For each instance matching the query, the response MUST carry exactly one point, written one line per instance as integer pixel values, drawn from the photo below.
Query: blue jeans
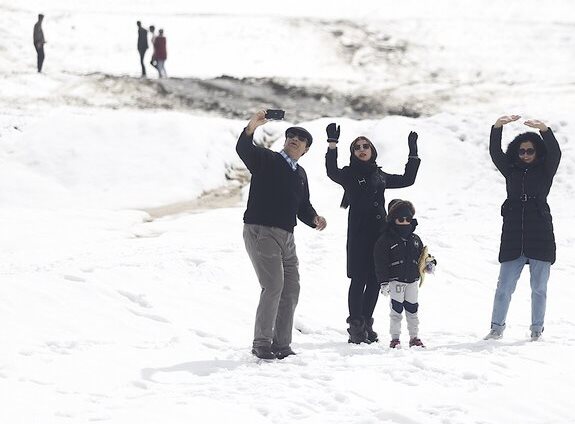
(508, 276)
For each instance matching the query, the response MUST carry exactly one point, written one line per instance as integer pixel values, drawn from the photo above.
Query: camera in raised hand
(275, 114)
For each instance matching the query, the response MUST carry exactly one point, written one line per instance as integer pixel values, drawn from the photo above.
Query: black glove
(332, 131)
(412, 143)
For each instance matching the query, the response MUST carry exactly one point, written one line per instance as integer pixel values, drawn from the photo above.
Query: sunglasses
(358, 146)
(296, 137)
(404, 219)
(529, 151)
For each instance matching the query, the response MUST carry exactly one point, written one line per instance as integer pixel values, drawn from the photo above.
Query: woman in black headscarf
(364, 184)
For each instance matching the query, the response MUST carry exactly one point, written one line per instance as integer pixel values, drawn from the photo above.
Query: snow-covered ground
(111, 316)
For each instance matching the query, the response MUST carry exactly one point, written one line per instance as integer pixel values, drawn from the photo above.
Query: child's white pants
(403, 296)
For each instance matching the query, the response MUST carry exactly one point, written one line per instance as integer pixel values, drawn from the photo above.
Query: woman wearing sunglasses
(528, 165)
(364, 184)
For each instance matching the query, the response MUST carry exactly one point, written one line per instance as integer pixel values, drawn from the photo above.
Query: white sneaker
(535, 335)
(493, 335)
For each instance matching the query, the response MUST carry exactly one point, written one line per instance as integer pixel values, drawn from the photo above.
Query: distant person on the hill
(528, 165)
(142, 45)
(160, 53)
(400, 260)
(153, 61)
(279, 194)
(39, 42)
(364, 184)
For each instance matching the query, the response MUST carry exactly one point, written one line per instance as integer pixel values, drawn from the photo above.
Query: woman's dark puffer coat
(527, 222)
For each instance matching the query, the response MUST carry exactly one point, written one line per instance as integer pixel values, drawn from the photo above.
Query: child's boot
(416, 342)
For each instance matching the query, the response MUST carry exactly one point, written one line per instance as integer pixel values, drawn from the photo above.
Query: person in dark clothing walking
(278, 195)
(142, 45)
(527, 237)
(364, 184)
(397, 255)
(39, 42)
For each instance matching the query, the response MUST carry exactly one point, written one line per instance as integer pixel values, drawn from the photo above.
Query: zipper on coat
(523, 211)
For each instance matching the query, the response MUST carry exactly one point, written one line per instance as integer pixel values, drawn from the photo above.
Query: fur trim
(397, 205)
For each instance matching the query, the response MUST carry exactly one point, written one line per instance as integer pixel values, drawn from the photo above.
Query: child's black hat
(398, 208)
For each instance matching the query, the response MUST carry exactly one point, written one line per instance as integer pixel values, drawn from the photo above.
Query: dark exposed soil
(237, 98)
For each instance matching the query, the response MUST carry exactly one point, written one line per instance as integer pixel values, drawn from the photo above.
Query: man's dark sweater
(277, 193)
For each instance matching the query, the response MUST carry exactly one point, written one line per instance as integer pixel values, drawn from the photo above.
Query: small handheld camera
(275, 114)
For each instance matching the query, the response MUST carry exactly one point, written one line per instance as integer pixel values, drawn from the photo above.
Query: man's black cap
(301, 131)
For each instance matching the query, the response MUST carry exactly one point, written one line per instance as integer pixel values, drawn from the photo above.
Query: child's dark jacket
(396, 259)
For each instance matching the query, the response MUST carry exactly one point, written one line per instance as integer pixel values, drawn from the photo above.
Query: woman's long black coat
(366, 219)
(527, 222)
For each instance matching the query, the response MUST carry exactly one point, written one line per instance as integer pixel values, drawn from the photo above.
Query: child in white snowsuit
(397, 253)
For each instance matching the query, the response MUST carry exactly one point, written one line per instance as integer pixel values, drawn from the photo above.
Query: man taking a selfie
(279, 194)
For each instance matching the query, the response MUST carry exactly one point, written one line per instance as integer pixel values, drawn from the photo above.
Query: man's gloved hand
(332, 131)
(384, 288)
(412, 143)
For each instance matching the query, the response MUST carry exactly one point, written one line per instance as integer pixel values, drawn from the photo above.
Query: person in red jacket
(161, 53)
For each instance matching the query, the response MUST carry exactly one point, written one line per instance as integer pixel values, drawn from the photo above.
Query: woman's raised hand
(534, 123)
(412, 143)
(332, 131)
(505, 120)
